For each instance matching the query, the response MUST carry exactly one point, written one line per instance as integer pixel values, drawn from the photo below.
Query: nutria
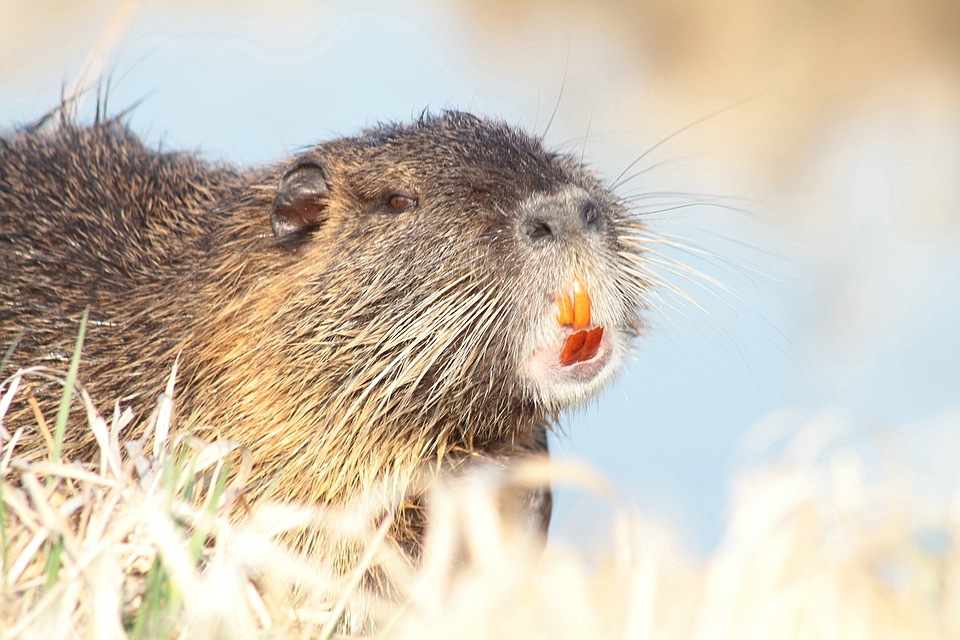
(414, 296)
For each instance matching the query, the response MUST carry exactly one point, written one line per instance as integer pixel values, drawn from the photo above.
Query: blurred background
(799, 160)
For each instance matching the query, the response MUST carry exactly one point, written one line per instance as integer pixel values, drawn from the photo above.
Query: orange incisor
(575, 312)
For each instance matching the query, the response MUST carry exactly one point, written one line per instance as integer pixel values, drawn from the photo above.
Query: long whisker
(698, 278)
(563, 84)
(586, 136)
(688, 205)
(682, 194)
(694, 250)
(689, 302)
(616, 183)
(652, 167)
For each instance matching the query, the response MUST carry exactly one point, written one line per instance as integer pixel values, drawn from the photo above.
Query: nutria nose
(560, 217)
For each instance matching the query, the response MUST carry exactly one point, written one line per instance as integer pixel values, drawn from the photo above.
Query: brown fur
(376, 344)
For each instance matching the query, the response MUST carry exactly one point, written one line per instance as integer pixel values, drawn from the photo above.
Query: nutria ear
(299, 206)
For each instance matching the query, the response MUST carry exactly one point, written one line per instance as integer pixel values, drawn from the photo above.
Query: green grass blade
(52, 566)
(187, 493)
(64, 411)
(3, 541)
(202, 528)
(149, 601)
(9, 352)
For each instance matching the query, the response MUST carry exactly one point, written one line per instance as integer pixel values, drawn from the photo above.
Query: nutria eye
(401, 203)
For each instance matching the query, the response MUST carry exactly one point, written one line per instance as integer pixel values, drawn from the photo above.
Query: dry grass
(150, 539)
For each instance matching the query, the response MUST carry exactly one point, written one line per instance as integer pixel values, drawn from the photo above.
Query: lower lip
(545, 364)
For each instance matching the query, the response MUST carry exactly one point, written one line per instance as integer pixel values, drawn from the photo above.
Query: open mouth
(573, 357)
(573, 312)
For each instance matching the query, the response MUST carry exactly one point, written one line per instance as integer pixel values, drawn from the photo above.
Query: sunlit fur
(393, 344)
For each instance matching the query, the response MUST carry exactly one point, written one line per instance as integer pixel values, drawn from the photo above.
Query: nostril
(537, 230)
(590, 213)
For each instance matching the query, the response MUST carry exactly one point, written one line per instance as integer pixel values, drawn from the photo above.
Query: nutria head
(438, 250)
